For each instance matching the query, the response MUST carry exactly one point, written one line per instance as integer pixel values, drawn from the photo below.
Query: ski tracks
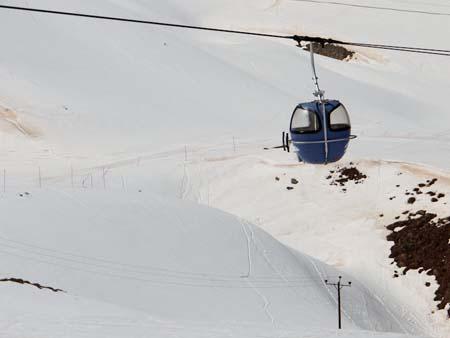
(250, 237)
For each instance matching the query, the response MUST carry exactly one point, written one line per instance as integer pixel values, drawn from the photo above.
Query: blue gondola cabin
(320, 131)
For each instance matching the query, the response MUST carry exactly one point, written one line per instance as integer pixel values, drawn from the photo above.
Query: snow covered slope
(103, 125)
(77, 87)
(170, 260)
(344, 226)
(55, 316)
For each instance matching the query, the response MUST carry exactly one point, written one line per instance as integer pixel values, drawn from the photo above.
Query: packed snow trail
(249, 235)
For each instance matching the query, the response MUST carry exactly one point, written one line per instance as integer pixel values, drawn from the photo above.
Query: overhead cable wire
(400, 47)
(155, 23)
(109, 265)
(420, 50)
(347, 4)
(167, 281)
(297, 38)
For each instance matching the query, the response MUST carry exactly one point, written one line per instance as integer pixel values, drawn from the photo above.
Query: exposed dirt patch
(22, 281)
(411, 200)
(9, 121)
(24, 194)
(342, 176)
(292, 181)
(332, 51)
(422, 243)
(423, 189)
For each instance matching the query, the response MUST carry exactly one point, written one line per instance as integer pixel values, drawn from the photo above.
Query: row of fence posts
(88, 180)
(234, 140)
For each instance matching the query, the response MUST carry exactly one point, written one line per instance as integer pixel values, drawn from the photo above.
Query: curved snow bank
(342, 225)
(53, 316)
(175, 261)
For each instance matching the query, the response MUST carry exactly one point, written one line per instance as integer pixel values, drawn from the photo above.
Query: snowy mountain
(112, 134)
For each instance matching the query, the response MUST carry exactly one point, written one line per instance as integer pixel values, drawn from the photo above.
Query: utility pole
(71, 176)
(339, 286)
(104, 173)
(40, 177)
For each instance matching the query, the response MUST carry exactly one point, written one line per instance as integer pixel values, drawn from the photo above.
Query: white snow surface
(112, 134)
(168, 261)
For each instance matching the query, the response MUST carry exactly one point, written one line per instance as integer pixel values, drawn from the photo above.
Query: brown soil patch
(422, 243)
(421, 189)
(411, 200)
(22, 281)
(332, 51)
(11, 121)
(342, 176)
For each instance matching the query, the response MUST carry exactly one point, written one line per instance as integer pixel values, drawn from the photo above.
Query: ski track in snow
(249, 252)
(250, 243)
